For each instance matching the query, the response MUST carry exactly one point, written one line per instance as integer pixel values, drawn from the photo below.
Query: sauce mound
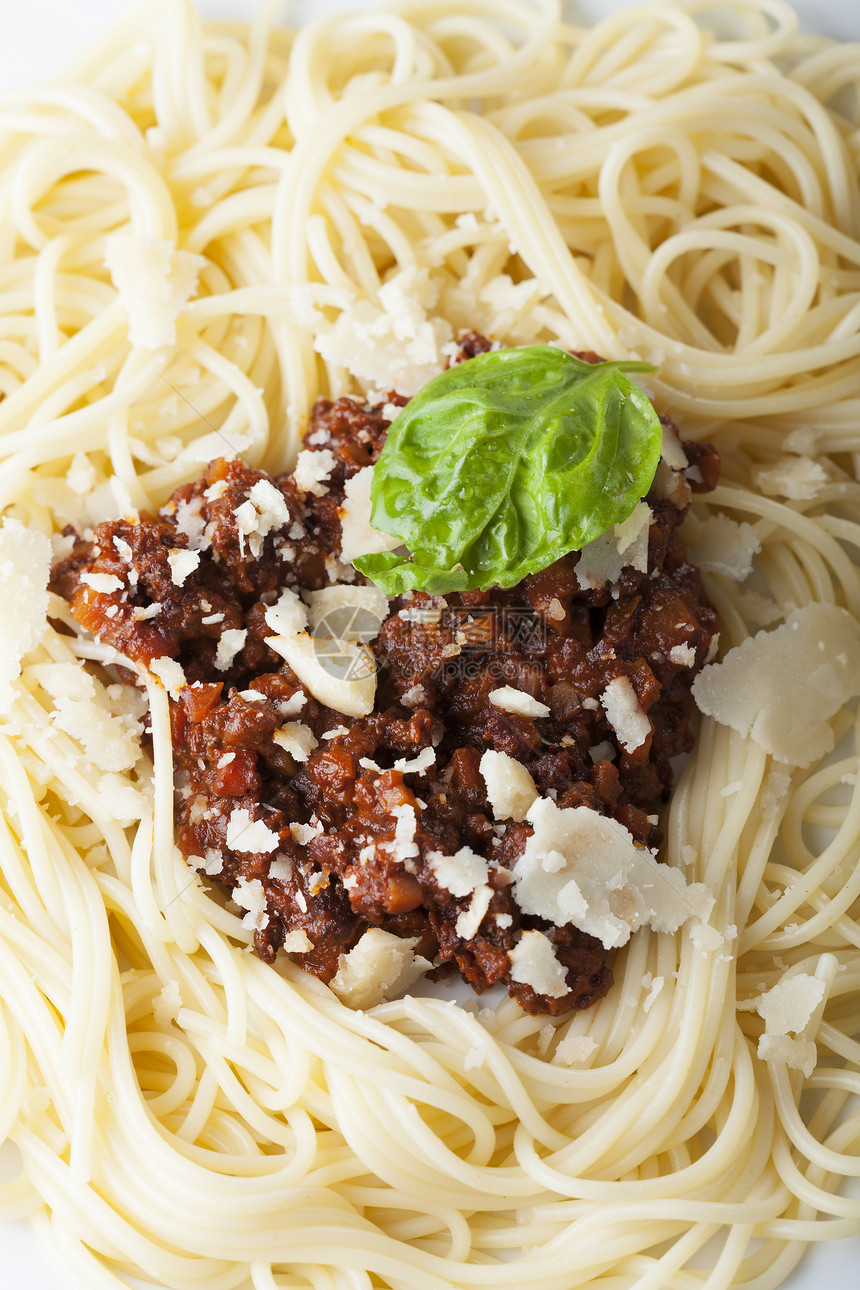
(325, 826)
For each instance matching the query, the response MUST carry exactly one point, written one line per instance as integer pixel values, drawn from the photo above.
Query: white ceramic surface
(38, 38)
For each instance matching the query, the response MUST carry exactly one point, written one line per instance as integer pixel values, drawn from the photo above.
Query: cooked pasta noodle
(365, 187)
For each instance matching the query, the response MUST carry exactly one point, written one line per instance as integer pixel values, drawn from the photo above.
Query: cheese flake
(789, 1005)
(182, 563)
(297, 739)
(230, 644)
(682, 655)
(391, 342)
(154, 282)
(460, 873)
(584, 868)
(25, 564)
(574, 1050)
(104, 583)
(380, 966)
(510, 787)
(247, 835)
(288, 616)
(515, 701)
(814, 657)
(797, 478)
(107, 729)
(298, 942)
(169, 673)
(625, 713)
(250, 894)
(357, 536)
(312, 467)
(533, 963)
(797, 1054)
(631, 537)
(469, 921)
(418, 765)
(719, 544)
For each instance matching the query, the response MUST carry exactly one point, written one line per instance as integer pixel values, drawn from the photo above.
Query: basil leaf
(506, 462)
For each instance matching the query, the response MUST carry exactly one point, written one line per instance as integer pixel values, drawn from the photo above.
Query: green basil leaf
(506, 462)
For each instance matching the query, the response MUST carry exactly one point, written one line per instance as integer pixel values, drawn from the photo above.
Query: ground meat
(349, 835)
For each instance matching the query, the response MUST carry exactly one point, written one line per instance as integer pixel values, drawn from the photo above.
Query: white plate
(39, 39)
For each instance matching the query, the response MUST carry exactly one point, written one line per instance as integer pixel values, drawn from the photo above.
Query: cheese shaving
(380, 966)
(245, 834)
(533, 963)
(154, 282)
(814, 656)
(509, 699)
(25, 563)
(358, 537)
(510, 788)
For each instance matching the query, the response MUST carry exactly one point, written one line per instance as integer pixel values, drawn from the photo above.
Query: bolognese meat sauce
(324, 825)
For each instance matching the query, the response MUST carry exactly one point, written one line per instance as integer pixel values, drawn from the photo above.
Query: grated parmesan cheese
(298, 942)
(461, 873)
(288, 616)
(625, 713)
(533, 963)
(290, 707)
(104, 583)
(797, 478)
(672, 450)
(211, 862)
(107, 728)
(797, 1054)
(169, 673)
(182, 563)
(404, 847)
(510, 787)
(247, 835)
(25, 564)
(81, 475)
(230, 644)
(418, 765)
(584, 868)
(154, 282)
(380, 966)
(789, 1005)
(250, 894)
(631, 537)
(191, 523)
(682, 655)
(509, 699)
(469, 921)
(358, 537)
(721, 545)
(574, 1050)
(390, 343)
(297, 739)
(602, 560)
(814, 657)
(282, 868)
(263, 511)
(312, 468)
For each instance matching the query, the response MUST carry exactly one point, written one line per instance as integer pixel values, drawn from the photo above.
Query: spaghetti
(647, 188)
